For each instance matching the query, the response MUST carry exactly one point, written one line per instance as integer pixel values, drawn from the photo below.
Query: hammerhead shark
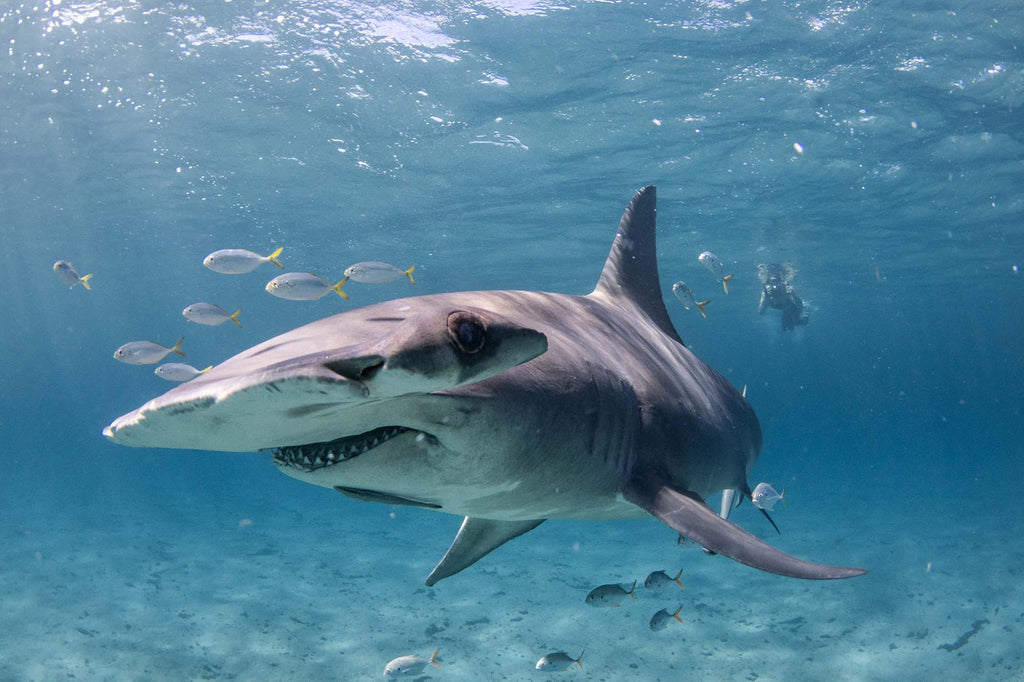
(505, 407)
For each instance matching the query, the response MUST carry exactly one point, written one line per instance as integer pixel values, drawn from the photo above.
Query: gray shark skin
(505, 407)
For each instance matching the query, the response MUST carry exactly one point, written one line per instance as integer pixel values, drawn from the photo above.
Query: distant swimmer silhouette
(777, 292)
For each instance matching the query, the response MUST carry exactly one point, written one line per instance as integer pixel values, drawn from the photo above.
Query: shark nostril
(356, 369)
(370, 371)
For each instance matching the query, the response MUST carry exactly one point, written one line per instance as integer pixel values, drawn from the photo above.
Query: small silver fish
(178, 371)
(558, 661)
(714, 265)
(659, 621)
(210, 314)
(410, 665)
(239, 261)
(67, 273)
(765, 496)
(303, 286)
(685, 296)
(659, 580)
(375, 272)
(610, 595)
(146, 352)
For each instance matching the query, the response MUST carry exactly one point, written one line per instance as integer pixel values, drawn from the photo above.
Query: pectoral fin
(690, 516)
(475, 539)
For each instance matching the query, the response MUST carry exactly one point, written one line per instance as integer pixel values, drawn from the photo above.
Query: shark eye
(467, 331)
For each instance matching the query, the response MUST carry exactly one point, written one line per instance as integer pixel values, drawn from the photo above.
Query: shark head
(336, 387)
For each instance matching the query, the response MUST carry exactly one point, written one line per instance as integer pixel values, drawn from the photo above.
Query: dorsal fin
(631, 271)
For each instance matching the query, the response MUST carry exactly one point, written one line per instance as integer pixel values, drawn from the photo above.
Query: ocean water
(875, 146)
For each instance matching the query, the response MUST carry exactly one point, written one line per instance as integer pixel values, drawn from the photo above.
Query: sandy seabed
(335, 590)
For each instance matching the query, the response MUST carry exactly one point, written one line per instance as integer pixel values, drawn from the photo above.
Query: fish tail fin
(632, 591)
(408, 273)
(700, 307)
(85, 281)
(206, 369)
(579, 661)
(433, 658)
(234, 318)
(782, 496)
(337, 288)
(676, 614)
(176, 348)
(676, 579)
(725, 283)
(272, 258)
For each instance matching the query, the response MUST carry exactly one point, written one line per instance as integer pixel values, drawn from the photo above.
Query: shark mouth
(313, 456)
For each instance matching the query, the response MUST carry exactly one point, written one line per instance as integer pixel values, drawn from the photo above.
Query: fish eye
(467, 331)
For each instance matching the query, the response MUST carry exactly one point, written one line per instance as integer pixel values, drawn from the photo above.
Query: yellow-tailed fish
(239, 261)
(765, 496)
(210, 314)
(685, 296)
(610, 595)
(660, 579)
(303, 286)
(67, 273)
(558, 661)
(375, 272)
(409, 666)
(178, 371)
(659, 621)
(146, 352)
(715, 266)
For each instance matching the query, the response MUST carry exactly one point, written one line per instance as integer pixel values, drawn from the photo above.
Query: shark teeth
(313, 456)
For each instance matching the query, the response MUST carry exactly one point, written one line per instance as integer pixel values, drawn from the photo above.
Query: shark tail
(700, 307)
(234, 318)
(176, 348)
(337, 288)
(725, 283)
(85, 281)
(408, 273)
(273, 257)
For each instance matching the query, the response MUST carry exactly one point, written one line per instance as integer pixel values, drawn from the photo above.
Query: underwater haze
(876, 148)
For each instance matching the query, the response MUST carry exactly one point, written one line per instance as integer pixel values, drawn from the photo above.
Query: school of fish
(292, 286)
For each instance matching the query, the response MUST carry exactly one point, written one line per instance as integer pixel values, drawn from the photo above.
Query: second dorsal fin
(631, 271)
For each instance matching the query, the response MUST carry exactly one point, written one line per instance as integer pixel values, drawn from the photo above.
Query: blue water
(876, 146)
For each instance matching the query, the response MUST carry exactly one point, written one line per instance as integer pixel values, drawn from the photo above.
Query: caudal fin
(234, 318)
(408, 273)
(676, 614)
(725, 283)
(676, 580)
(85, 281)
(176, 348)
(433, 658)
(700, 307)
(272, 258)
(337, 288)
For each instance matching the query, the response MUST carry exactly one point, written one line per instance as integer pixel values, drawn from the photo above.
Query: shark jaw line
(313, 456)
